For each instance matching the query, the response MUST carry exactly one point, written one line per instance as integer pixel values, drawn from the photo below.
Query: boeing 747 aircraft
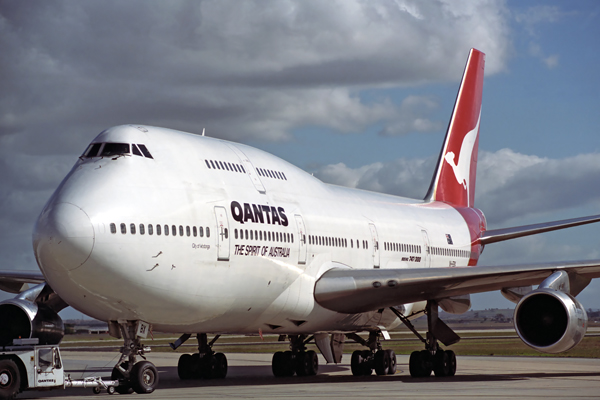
(155, 229)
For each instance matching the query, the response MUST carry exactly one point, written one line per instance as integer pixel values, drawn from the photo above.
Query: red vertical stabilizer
(454, 179)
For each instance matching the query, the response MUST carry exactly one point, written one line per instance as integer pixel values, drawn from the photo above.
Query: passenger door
(222, 234)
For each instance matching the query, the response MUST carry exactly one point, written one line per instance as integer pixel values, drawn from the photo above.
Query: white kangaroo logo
(462, 171)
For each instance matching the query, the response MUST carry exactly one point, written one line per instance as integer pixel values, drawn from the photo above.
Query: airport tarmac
(250, 376)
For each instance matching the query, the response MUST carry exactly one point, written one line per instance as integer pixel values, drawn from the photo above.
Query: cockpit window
(92, 150)
(135, 150)
(115, 149)
(145, 150)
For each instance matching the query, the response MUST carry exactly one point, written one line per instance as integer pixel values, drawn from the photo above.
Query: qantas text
(258, 213)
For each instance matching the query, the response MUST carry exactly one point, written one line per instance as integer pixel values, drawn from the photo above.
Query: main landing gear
(433, 358)
(140, 377)
(363, 362)
(297, 360)
(205, 363)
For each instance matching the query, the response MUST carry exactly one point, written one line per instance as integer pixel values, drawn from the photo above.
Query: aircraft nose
(63, 238)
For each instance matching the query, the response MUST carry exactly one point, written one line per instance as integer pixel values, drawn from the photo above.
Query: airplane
(159, 230)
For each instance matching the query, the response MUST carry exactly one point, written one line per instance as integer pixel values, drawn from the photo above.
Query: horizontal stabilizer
(499, 235)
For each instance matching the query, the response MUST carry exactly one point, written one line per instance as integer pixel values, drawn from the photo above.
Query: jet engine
(22, 319)
(550, 321)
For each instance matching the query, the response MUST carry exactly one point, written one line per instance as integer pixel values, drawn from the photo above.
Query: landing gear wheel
(220, 366)
(392, 366)
(282, 364)
(451, 362)
(440, 364)
(301, 364)
(367, 358)
(96, 390)
(382, 362)
(110, 390)
(355, 363)
(184, 367)
(144, 377)
(312, 363)
(10, 381)
(419, 364)
(124, 385)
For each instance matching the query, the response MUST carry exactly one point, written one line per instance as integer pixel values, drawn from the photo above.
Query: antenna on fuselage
(203, 130)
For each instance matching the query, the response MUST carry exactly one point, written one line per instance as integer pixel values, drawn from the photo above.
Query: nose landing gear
(140, 377)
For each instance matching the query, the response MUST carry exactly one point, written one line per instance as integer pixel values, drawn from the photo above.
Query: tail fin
(454, 178)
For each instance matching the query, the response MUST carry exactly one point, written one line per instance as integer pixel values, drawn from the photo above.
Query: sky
(358, 93)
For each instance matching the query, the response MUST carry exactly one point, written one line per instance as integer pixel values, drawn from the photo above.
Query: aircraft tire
(393, 363)
(440, 364)
(312, 363)
(367, 365)
(124, 386)
(355, 363)
(301, 364)
(451, 363)
(419, 364)
(10, 380)
(220, 364)
(184, 367)
(144, 377)
(382, 362)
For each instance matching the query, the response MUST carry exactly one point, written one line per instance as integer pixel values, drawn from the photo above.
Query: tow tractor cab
(28, 366)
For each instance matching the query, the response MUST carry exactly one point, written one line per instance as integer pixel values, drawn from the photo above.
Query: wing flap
(355, 291)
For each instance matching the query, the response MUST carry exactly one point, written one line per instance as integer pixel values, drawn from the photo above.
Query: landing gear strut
(364, 361)
(297, 360)
(433, 358)
(140, 377)
(205, 364)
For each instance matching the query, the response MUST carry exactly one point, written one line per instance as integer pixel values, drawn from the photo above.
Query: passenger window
(213, 164)
(207, 164)
(292, 237)
(201, 231)
(145, 151)
(135, 150)
(166, 230)
(150, 229)
(123, 229)
(142, 230)
(284, 176)
(113, 228)
(221, 164)
(194, 231)
(114, 149)
(351, 244)
(173, 230)
(180, 230)
(235, 233)
(207, 231)
(243, 170)
(251, 235)
(226, 167)
(187, 231)
(246, 234)
(132, 228)
(158, 232)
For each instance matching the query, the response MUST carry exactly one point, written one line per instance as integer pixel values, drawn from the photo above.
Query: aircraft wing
(359, 290)
(16, 281)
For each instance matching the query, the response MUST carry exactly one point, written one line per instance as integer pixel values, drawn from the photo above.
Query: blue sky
(357, 92)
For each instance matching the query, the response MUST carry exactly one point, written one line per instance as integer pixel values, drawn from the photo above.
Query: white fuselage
(248, 245)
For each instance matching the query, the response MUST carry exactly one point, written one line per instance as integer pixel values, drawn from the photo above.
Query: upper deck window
(115, 149)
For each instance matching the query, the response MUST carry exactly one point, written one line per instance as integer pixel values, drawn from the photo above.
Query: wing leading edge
(16, 281)
(353, 290)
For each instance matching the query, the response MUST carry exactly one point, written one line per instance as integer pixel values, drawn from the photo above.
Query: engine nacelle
(24, 319)
(550, 321)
